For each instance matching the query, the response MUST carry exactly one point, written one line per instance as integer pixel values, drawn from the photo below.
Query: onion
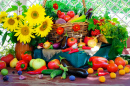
(56, 45)
(75, 45)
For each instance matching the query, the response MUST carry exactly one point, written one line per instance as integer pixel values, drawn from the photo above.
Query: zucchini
(63, 75)
(55, 73)
(47, 71)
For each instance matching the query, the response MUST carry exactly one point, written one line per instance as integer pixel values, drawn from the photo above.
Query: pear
(13, 63)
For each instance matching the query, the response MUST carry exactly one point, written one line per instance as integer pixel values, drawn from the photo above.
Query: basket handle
(84, 5)
(44, 3)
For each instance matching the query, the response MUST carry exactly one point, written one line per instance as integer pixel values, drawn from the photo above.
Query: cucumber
(55, 73)
(47, 71)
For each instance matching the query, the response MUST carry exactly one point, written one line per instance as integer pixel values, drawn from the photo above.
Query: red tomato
(71, 41)
(61, 15)
(60, 30)
(112, 67)
(2, 65)
(54, 64)
(127, 66)
(71, 13)
(120, 61)
(67, 18)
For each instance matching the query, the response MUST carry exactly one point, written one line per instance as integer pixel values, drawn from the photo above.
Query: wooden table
(33, 80)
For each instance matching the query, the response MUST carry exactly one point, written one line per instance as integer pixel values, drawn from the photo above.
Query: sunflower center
(25, 31)
(35, 14)
(18, 18)
(44, 26)
(11, 21)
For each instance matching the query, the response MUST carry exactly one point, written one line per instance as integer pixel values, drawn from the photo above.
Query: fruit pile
(112, 67)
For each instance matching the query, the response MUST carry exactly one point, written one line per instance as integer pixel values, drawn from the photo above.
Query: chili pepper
(74, 50)
(85, 47)
(101, 73)
(21, 65)
(96, 62)
(67, 49)
(38, 71)
(26, 57)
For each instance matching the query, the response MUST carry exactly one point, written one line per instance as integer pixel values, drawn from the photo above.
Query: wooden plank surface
(33, 80)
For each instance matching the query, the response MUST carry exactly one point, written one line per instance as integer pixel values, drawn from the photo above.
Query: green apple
(30, 63)
(4, 72)
(38, 63)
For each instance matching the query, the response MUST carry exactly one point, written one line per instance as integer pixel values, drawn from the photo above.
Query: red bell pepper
(38, 71)
(101, 73)
(26, 57)
(21, 65)
(96, 62)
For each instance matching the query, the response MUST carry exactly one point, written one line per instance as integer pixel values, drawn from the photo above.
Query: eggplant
(73, 71)
(64, 42)
(77, 72)
(65, 63)
(89, 13)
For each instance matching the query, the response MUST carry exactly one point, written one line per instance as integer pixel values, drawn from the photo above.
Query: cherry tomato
(71, 41)
(60, 30)
(71, 13)
(61, 15)
(112, 67)
(67, 18)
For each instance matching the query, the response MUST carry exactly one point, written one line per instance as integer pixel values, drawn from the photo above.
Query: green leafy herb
(19, 3)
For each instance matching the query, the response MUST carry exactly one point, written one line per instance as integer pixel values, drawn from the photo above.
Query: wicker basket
(53, 36)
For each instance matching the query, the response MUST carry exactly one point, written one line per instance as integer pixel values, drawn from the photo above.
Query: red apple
(7, 58)
(2, 65)
(54, 64)
(86, 39)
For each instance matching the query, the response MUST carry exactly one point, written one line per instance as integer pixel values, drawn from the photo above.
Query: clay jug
(21, 48)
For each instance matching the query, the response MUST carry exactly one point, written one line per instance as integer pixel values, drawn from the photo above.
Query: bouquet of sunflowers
(31, 27)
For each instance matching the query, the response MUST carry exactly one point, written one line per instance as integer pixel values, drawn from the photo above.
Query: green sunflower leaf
(4, 37)
(1, 32)
(14, 7)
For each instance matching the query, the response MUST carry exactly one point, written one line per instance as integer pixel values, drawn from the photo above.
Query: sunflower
(10, 23)
(45, 27)
(35, 14)
(3, 15)
(24, 33)
(18, 17)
